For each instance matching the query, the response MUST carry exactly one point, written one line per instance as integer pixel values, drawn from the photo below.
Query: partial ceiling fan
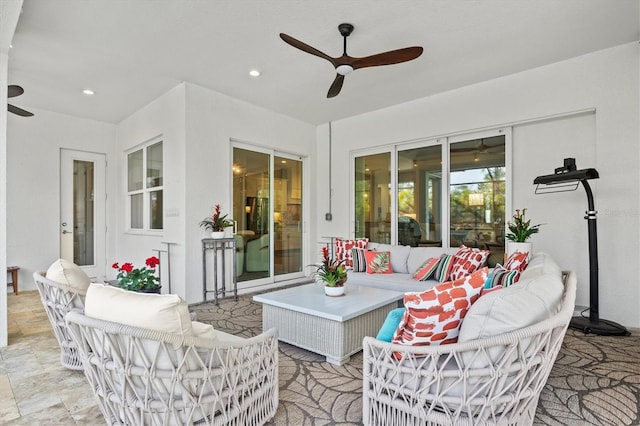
(480, 148)
(345, 64)
(14, 91)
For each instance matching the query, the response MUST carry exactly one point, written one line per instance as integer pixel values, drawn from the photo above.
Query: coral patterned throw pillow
(517, 261)
(433, 317)
(467, 260)
(378, 262)
(342, 249)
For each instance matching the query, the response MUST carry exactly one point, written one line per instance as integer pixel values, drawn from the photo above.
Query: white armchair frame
(141, 376)
(490, 381)
(57, 303)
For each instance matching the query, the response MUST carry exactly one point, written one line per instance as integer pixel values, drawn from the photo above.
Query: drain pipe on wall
(328, 216)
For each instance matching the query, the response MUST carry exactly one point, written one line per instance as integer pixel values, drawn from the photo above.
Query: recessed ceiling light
(88, 92)
(254, 73)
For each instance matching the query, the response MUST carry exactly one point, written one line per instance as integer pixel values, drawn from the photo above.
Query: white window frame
(145, 191)
(445, 141)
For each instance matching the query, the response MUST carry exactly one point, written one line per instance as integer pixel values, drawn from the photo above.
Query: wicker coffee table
(330, 326)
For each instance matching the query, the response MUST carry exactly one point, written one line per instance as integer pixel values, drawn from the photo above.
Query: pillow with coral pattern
(467, 260)
(342, 249)
(517, 261)
(433, 317)
(378, 262)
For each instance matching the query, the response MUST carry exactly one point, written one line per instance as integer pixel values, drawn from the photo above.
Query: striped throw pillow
(501, 276)
(444, 268)
(359, 260)
(427, 269)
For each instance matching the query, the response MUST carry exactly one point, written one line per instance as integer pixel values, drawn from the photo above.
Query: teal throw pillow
(390, 325)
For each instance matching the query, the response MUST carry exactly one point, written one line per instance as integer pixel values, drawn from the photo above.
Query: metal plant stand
(218, 247)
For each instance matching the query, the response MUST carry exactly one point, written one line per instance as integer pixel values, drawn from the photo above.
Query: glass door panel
(373, 197)
(420, 196)
(83, 208)
(477, 193)
(287, 215)
(251, 211)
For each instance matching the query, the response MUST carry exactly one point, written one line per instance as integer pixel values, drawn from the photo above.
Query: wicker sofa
(506, 348)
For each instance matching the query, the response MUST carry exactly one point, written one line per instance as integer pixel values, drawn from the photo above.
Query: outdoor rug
(595, 380)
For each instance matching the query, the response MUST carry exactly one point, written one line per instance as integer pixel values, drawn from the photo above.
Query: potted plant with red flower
(332, 273)
(216, 222)
(139, 279)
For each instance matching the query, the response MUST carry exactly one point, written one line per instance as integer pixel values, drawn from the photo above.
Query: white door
(82, 210)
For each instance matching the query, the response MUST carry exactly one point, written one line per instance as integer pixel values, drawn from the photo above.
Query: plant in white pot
(521, 230)
(332, 273)
(216, 223)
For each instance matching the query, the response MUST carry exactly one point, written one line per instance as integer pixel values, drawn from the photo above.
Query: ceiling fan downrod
(346, 30)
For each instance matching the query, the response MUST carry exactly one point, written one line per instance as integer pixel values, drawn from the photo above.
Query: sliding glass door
(267, 205)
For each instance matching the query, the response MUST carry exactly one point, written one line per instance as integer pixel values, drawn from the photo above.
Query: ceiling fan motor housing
(345, 29)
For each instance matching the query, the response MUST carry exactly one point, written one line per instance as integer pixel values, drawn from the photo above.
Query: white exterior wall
(4, 61)
(213, 121)
(33, 184)
(197, 126)
(607, 81)
(165, 118)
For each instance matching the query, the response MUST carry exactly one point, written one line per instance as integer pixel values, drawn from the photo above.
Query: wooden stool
(14, 278)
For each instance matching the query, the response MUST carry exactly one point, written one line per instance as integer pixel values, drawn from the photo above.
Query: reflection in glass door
(477, 194)
(287, 216)
(372, 196)
(251, 196)
(267, 206)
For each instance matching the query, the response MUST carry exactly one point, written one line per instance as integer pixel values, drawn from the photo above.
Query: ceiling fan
(345, 64)
(14, 91)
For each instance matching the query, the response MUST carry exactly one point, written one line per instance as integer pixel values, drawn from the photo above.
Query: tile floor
(34, 388)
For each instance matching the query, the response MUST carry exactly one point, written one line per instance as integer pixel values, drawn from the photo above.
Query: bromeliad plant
(137, 279)
(217, 221)
(331, 271)
(521, 229)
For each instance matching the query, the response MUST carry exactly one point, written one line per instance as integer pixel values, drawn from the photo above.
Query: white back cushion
(159, 312)
(69, 275)
(535, 297)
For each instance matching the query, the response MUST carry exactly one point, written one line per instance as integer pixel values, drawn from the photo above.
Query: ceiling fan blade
(388, 58)
(336, 86)
(18, 111)
(14, 91)
(306, 48)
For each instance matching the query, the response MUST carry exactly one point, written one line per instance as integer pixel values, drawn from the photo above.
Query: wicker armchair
(57, 301)
(149, 377)
(488, 381)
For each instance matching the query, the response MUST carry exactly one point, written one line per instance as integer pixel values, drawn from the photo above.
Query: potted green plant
(521, 230)
(216, 223)
(142, 280)
(332, 273)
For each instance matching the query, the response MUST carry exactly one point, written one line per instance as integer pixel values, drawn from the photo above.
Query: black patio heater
(567, 178)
